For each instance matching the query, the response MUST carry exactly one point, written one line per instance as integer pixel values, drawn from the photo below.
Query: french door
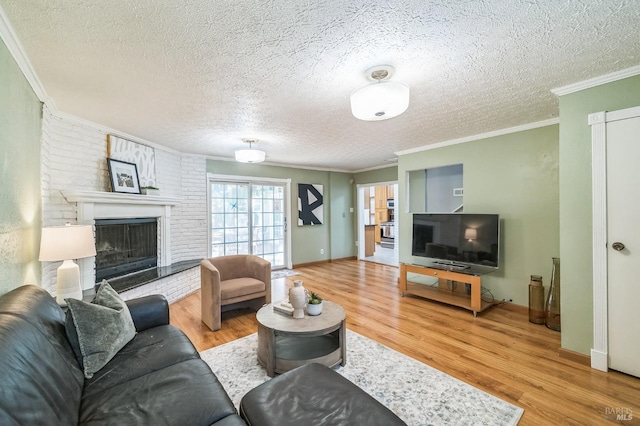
(249, 217)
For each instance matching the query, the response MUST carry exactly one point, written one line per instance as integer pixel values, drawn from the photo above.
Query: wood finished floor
(500, 351)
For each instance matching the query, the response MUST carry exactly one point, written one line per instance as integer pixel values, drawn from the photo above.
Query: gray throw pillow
(98, 330)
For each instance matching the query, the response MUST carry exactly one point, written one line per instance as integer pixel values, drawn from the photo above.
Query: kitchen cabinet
(369, 240)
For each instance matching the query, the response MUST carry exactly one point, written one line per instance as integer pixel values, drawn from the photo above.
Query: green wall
(516, 176)
(20, 193)
(387, 174)
(575, 204)
(342, 219)
(335, 236)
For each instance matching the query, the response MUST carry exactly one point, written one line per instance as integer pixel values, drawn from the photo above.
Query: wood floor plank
(500, 351)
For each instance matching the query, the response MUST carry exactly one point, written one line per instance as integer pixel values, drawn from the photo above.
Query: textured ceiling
(199, 75)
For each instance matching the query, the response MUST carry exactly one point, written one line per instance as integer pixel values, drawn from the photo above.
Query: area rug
(281, 273)
(415, 392)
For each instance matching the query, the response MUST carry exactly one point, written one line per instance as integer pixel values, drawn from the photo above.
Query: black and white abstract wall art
(310, 204)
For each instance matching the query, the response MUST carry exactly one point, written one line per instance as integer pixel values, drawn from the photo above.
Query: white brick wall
(190, 236)
(74, 156)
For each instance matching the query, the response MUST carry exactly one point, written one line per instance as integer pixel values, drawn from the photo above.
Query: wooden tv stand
(442, 293)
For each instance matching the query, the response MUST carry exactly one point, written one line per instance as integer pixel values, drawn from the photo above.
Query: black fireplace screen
(124, 246)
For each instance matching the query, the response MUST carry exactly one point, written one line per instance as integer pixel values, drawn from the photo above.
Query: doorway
(250, 216)
(377, 223)
(616, 206)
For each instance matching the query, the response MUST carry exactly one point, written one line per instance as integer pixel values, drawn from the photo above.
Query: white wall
(74, 156)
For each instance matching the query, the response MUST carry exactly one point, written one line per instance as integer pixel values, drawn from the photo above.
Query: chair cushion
(238, 287)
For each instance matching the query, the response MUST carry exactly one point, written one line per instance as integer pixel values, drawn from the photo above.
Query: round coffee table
(285, 343)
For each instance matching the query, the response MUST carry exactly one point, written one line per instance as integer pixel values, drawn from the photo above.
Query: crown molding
(480, 136)
(383, 166)
(596, 81)
(286, 166)
(16, 49)
(107, 130)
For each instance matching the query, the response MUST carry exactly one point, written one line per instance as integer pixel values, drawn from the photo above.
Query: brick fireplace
(95, 207)
(75, 189)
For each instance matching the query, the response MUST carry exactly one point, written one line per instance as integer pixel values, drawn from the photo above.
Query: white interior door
(623, 245)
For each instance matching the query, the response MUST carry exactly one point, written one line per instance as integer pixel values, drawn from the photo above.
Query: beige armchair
(228, 280)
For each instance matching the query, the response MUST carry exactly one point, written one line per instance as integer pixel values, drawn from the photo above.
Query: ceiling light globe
(380, 101)
(250, 156)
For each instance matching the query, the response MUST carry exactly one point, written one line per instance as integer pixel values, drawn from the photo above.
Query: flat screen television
(457, 239)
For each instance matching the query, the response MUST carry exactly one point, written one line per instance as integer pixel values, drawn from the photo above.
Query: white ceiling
(199, 75)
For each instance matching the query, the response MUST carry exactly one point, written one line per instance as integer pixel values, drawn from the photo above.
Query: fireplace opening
(124, 246)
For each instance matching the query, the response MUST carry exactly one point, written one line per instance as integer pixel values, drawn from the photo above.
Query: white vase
(298, 299)
(314, 309)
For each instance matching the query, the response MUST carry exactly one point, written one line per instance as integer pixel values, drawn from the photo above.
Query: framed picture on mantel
(124, 176)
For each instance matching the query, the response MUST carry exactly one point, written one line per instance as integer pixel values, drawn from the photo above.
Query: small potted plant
(150, 190)
(314, 305)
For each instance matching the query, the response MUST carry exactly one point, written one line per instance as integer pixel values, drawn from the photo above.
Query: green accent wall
(575, 205)
(514, 175)
(335, 235)
(20, 193)
(387, 174)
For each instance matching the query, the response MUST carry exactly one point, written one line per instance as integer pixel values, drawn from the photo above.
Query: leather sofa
(156, 378)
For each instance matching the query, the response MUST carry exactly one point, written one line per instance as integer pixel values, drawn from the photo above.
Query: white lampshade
(380, 101)
(67, 243)
(250, 156)
(471, 234)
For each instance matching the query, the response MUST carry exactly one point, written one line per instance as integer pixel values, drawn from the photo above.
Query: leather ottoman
(313, 395)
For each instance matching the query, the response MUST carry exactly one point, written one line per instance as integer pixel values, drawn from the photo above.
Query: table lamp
(67, 243)
(471, 234)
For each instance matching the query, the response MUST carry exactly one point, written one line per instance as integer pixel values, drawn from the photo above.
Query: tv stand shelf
(442, 293)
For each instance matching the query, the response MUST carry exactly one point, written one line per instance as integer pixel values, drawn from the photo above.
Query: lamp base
(68, 283)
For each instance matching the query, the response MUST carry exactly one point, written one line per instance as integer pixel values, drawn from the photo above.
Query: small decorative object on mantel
(150, 190)
(552, 308)
(314, 305)
(298, 299)
(124, 176)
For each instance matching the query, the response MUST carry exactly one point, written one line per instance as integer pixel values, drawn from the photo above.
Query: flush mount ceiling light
(250, 155)
(381, 100)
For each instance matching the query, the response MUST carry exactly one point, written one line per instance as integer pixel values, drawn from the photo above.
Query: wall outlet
(321, 251)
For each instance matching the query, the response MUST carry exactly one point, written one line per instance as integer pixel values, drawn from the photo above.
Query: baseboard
(321, 262)
(514, 307)
(575, 356)
(344, 258)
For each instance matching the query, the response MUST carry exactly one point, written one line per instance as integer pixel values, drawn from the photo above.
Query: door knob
(617, 246)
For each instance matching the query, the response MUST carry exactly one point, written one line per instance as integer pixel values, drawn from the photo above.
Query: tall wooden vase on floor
(536, 300)
(552, 307)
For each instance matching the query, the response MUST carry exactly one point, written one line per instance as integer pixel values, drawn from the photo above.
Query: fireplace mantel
(92, 205)
(118, 198)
